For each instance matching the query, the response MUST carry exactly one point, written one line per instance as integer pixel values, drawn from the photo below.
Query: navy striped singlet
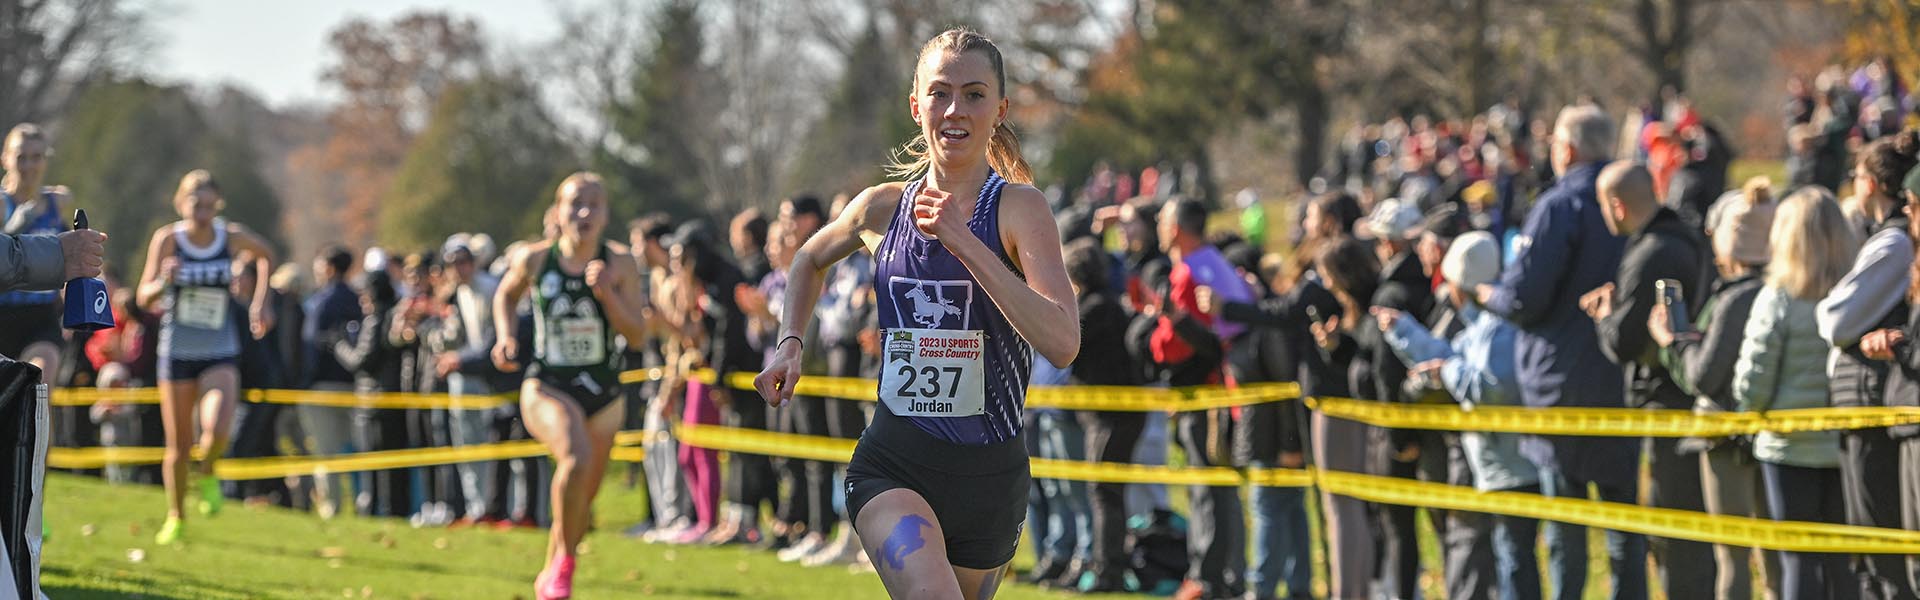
(923, 286)
(197, 322)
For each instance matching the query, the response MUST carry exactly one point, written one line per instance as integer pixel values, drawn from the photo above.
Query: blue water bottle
(88, 304)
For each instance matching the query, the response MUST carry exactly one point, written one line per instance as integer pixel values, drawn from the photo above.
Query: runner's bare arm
(257, 250)
(1042, 307)
(513, 285)
(863, 222)
(152, 283)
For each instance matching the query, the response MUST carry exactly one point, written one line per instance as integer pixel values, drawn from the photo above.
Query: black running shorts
(978, 493)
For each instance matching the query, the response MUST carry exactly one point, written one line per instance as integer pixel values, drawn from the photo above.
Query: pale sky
(276, 48)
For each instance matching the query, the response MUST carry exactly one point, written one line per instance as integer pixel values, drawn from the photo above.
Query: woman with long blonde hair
(1783, 365)
(189, 268)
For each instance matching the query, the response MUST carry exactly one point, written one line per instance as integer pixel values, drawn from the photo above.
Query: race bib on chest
(201, 307)
(934, 373)
(577, 342)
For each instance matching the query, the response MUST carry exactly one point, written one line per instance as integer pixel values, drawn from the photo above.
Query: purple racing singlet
(950, 362)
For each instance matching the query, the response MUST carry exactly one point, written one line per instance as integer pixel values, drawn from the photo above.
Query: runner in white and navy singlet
(187, 281)
(198, 329)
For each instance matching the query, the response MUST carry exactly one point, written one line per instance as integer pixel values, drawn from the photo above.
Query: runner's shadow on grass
(180, 587)
(386, 563)
(673, 592)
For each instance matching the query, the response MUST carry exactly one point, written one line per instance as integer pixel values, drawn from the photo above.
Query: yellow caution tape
(282, 466)
(384, 400)
(1719, 529)
(1729, 530)
(1110, 398)
(1614, 422)
(96, 457)
(389, 400)
(1087, 397)
(67, 396)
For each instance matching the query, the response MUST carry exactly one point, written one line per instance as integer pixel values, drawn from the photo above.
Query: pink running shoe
(556, 582)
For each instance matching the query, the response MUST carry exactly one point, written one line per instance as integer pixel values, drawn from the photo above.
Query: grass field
(102, 548)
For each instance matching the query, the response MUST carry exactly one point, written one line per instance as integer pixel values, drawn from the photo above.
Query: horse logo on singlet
(927, 311)
(932, 301)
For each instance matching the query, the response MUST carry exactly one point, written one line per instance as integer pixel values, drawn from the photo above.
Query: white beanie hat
(1473, 259)
(1393, 220)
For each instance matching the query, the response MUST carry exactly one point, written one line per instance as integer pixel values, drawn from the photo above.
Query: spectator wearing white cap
(1477, 367)
(1701, 358)
(484, 249)
(1404, 286)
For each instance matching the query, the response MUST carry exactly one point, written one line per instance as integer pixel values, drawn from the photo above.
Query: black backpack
(1157, 551)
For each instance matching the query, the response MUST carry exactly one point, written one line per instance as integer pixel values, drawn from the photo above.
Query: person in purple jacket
(1564, 251)
(970, 282)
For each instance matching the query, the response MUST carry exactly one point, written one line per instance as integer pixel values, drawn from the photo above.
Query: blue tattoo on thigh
(904, 541)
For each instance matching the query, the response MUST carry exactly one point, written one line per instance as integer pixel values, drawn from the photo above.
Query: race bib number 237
(934, 372)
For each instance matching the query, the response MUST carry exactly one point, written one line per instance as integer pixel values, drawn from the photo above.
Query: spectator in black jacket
(1660, 246)
(1110, 435)
(331, 311)
(1405, 287)
(1700, 359)
(1870, 298)
(260, 368)
(749, 479)
(1272, 434)
(1897, 346)
(1696, 185)
(1351, 272)
(1269, 440)
(366, 351)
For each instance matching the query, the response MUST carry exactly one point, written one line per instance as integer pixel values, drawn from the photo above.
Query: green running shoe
(210, 498)
(170, 532)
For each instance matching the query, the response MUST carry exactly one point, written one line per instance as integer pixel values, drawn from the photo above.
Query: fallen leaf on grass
(136, 555)
(441, 543)
(86, 530)
(332, 552)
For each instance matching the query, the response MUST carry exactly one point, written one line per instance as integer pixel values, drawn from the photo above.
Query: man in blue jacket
(1564, 251)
